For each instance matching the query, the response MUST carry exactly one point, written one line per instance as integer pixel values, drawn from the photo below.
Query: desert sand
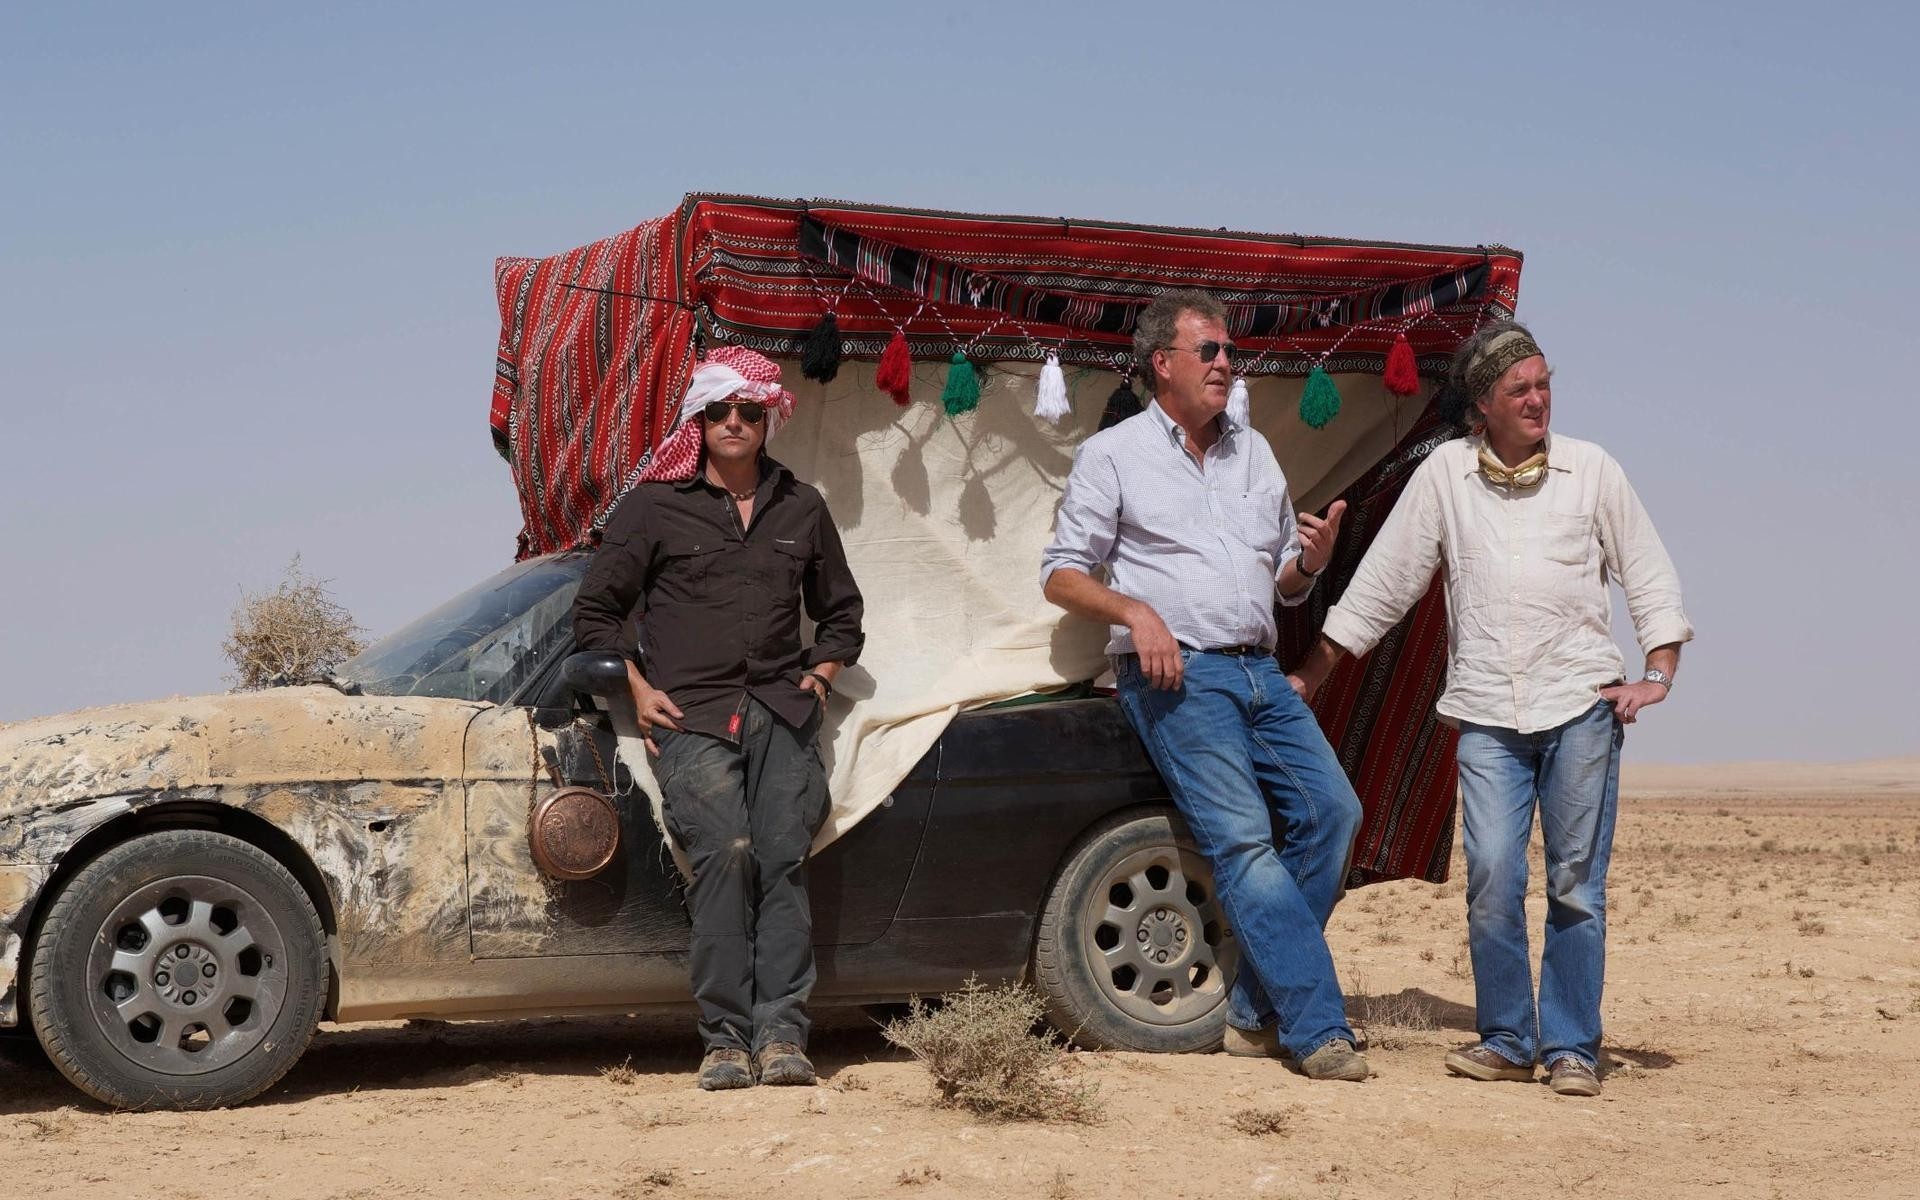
(1763, 1039)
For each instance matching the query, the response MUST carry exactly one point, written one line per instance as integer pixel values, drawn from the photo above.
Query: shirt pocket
(1253, 518)
(1566, 538)
(685, 565)
(790, 560)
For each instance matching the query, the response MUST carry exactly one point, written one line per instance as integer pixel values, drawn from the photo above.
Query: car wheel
(1133, 951)
(183, 969)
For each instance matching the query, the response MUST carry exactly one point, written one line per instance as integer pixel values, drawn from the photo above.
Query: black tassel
(1122, 404)
(820, 355)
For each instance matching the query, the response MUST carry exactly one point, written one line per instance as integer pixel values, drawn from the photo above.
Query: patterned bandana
(728, 372)
(1494, 359)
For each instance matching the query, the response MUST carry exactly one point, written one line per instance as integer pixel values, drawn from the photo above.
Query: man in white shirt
(1186, 514)
(1529, 528)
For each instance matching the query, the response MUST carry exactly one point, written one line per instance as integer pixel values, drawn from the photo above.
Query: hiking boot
(1568, 1076)
(722, 1069)
(1252, 1043)
(1335, 1060)
(783, 1064)
(1485, 1063)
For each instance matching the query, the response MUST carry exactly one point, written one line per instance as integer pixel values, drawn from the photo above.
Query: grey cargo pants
(746, 814)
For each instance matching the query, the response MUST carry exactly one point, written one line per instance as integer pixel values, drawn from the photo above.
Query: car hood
(279, 735)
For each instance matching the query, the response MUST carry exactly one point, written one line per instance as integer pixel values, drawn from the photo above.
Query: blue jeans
(1275, 816)
(1573, 770)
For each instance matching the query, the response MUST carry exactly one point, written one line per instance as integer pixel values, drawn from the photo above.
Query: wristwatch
(1656, 675)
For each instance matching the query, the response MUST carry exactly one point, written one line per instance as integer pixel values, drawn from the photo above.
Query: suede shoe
(1484, 1063)
(723, 1068)
(1252, 1043)
(1568, 1076)
(783, 1064)
(1336, 1059)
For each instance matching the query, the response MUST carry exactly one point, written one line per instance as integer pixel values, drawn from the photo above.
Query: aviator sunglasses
(1208, 351)
(751, 411)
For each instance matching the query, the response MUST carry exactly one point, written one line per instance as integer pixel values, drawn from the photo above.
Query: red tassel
(1403, 373)
(895, 373)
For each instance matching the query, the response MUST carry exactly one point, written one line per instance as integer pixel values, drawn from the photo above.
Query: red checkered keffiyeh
(728, 372)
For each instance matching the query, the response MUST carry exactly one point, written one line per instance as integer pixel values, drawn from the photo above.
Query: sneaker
(1252, 1043)
(1569, 1076)
(1485, 1063)
(1336, 1060)
(783, 1064)
(722, 1069)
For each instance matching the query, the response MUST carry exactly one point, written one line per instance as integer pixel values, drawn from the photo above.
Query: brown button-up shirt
(720, 605)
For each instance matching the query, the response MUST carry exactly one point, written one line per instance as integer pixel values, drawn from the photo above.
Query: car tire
(1133, 951)
(184, 969)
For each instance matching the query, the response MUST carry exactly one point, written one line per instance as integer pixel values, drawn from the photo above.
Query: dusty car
(187, 887)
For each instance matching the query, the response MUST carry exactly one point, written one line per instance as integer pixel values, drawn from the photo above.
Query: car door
(636, 906)
(633, 907)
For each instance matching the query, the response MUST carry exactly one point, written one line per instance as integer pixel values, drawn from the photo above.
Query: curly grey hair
(1154, 330)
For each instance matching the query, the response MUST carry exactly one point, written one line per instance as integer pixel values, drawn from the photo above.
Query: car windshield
(484, 643)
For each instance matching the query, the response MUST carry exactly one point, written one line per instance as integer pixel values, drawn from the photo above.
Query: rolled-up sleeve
(832, 599)
(614, 583)
(1638, 560)
(1089, 518)
(1396, 571)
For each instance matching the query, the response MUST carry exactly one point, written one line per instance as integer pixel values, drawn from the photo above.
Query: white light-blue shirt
(1203, 548)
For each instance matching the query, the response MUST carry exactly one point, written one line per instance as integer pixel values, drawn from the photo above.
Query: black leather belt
(1238, 651)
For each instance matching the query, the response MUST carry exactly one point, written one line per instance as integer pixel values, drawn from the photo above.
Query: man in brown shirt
(718, 550)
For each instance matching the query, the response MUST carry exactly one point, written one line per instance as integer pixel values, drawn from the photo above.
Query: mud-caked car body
(188, 886)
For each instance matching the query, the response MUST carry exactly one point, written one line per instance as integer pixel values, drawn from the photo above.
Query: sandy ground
(1763, 1038)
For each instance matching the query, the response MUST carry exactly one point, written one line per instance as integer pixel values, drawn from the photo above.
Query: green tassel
(962, 393)
(1319, 400)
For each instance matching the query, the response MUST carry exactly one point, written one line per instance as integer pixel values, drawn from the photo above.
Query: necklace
(737, 497)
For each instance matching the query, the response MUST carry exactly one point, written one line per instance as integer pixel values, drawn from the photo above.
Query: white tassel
(1051, 404)
(1239, 410)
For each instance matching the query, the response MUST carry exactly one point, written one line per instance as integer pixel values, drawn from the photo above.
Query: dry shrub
(1389, 1019)
(621, 1074)
(916, 1176)
(292, 635)
(1261, 1122)
(985, 1056)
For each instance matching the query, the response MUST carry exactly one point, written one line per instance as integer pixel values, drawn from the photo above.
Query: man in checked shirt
(1529, 528)
(1187, 515)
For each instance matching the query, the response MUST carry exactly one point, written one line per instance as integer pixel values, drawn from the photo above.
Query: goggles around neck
(1527, 474)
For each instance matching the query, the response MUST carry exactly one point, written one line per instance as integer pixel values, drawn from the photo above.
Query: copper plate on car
(574, 833)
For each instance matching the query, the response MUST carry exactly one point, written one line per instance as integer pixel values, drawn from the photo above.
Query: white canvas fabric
(944, 520)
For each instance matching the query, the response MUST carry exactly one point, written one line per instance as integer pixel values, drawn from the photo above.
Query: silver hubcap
(187, 975)
(1160, 946)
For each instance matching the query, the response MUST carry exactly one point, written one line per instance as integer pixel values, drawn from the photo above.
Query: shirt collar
(1178, 436)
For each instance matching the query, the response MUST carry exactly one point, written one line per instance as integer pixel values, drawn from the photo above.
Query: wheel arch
(1112, 817)
(189, 814)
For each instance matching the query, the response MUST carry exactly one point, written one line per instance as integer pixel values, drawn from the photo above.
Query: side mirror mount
(588, 673)
(594, 673)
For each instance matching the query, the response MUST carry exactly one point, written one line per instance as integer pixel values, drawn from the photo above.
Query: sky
(246, 255)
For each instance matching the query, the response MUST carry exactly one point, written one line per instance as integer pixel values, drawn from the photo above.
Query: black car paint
(944, 880)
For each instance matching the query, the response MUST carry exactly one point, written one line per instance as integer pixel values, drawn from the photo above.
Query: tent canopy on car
(944, 513)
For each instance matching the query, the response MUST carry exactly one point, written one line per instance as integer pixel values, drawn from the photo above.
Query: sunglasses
(751, 411)
(1208, 351)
